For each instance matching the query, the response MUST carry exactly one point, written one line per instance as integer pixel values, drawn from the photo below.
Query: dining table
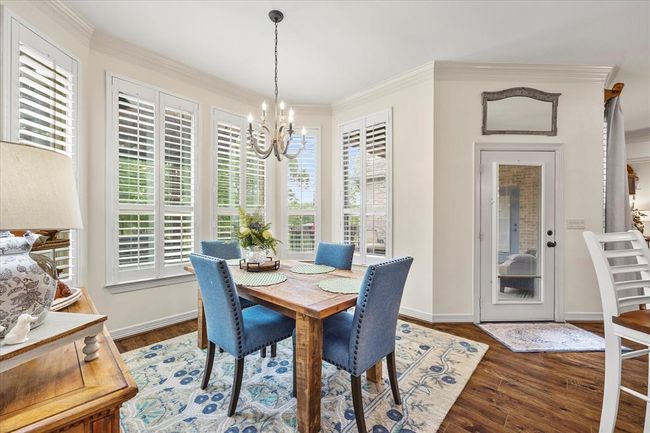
(300, 298)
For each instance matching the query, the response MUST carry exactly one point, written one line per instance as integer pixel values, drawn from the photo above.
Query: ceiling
(329, 50)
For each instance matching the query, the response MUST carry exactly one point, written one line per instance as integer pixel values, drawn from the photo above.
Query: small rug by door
(544, 337)
(433, 368)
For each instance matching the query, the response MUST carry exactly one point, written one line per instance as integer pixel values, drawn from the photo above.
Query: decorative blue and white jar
(24, 286)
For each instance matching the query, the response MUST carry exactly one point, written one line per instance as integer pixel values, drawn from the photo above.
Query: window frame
(217, 114)
(285, 212)
(362, 257)
(10, 24)
(161, 99)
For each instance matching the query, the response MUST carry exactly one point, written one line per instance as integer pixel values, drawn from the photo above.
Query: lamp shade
(37, 189)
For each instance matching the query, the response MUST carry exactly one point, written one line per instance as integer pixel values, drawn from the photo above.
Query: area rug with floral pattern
(433, 368)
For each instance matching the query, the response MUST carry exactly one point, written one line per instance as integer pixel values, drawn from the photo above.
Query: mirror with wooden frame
(520, 110)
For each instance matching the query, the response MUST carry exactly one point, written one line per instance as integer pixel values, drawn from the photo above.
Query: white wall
(458, 114)
(411, 99)
(638, 156)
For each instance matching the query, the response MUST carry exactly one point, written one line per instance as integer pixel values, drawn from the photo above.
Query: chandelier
(274, 140)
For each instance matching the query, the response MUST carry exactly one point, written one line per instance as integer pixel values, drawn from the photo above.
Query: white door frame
(558, 149)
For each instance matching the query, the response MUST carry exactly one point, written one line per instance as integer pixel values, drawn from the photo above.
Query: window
(366, 176)
(301, 186)
(151, 154)
(236, 164)
(42, 112)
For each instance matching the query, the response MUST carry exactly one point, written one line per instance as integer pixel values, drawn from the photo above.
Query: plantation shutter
(154, 139)
(228, 172)
(43, 111)
(178, 184)
(136, 150)
(255, 176)
(302, 190)
(365, 147)
(351, 140)
(376, 189)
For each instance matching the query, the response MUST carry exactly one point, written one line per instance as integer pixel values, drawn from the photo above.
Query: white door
(517, 235)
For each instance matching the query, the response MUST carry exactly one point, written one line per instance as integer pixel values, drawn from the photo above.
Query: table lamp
(37, 192)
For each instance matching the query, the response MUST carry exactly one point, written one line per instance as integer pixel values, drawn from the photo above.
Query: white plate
(68, 300)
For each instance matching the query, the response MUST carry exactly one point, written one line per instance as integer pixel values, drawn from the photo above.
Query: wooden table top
(300, 293)
(58, 387)
(638, 320)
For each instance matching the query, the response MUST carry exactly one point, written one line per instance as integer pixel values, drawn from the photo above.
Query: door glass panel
(518, 234)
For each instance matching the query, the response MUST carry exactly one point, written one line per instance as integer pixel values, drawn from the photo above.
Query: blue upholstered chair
(238, 332)
(356, 341)
(337, 255)
(228, 250)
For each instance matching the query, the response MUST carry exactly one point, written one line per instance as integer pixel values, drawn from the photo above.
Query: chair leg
(357, 402)
(392, 375)
(612, 386)
(646, 427)
(209, 360)
(263, 352)
(236, 386)
(293, 392)
(274, 350)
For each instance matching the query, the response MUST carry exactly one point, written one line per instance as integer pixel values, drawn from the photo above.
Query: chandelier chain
(276, 62)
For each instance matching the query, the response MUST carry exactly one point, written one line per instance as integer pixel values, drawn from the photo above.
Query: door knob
(551, 244)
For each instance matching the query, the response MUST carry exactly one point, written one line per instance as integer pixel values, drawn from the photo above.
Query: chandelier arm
(262, 153)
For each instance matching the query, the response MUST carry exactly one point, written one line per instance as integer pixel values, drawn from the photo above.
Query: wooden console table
(60, 392)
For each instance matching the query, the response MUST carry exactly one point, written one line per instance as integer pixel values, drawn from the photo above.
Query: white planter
(256, 254)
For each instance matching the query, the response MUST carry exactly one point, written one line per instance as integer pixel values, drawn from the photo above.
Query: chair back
(336, 255)
(375, 315)
(222, 249)
(223, 316)
(622, 286)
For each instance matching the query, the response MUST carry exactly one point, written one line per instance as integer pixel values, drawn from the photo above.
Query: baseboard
(129, 331)
(583, 317)
(436, 318)
(416, 314)
(453, 318)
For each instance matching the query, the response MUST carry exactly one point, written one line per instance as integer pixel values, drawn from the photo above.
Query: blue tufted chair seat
(262, 327)
(337, 331)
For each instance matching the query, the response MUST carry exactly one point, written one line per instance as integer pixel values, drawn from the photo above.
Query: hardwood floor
(515, 392)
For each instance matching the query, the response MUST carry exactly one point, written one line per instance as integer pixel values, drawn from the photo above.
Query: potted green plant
(255, 237)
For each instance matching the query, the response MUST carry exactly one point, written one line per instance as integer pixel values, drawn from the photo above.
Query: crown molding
(312, 109)
(637, 135)
(125, 50)
(409, 78)
(66, 16)
(457, 71)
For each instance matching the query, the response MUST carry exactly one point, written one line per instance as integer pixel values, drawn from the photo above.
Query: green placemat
(341, 285)
(259, 278)
(312, 269)
(233, 262)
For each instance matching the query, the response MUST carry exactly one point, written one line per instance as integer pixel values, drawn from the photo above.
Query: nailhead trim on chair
(233, 302)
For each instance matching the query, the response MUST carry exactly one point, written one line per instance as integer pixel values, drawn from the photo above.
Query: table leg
(202, 330)
(374, 373)
(309, 356)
